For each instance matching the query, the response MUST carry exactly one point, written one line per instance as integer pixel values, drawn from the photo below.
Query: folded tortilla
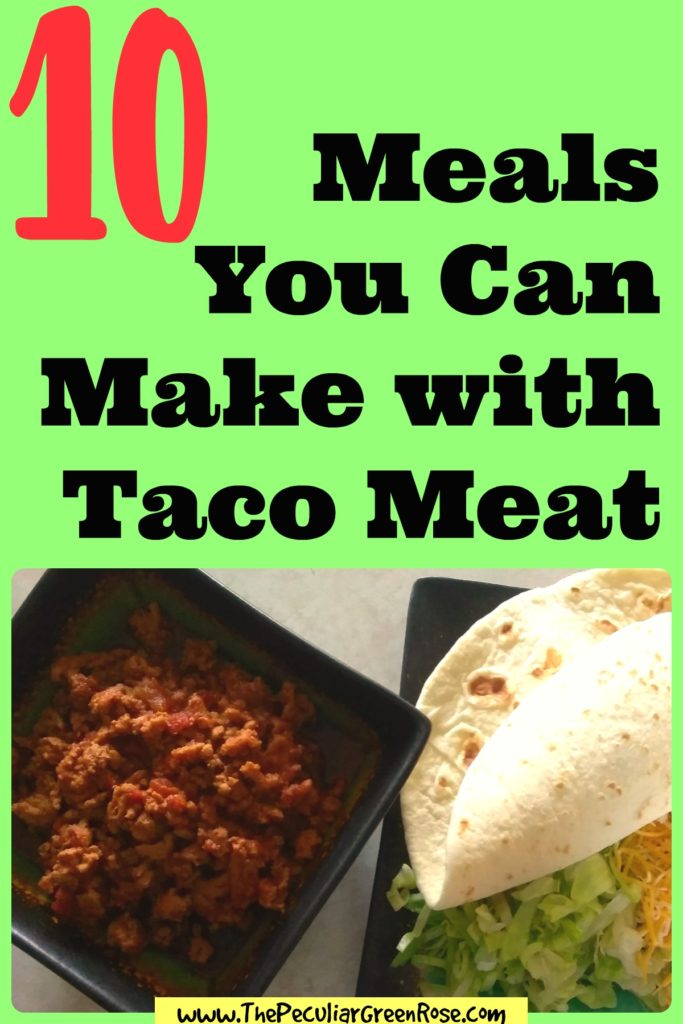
(555, 645)
(584, 761)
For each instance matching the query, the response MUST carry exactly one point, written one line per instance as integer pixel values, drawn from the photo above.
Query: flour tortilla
(584, 761)
(488, 673)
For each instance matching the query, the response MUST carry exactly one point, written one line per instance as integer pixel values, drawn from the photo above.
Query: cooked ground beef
(178, 791)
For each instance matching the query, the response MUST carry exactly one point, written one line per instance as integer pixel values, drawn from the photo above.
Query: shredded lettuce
(566, 936)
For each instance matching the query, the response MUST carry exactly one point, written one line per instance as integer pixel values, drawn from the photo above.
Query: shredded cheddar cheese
(645, 858)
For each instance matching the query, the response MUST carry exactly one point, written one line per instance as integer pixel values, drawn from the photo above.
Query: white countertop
(357, 615)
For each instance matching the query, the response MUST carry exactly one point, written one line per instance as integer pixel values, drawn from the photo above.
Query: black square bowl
(369, 736)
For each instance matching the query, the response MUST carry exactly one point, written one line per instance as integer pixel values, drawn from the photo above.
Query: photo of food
(192, 782)
(536, 826)
(153, 721)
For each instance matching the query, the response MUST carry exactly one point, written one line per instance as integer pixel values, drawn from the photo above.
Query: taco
(490, 671)
(550, 743)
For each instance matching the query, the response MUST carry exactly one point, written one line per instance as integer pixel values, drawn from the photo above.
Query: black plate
(377, 735)
(440, 611)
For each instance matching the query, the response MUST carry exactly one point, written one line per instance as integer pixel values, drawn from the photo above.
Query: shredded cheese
(645, 858)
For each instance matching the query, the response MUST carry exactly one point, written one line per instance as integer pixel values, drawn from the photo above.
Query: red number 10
(62, 42)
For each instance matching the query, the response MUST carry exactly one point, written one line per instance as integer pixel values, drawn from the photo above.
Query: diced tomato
(163, 787)
(176, 802)
(179, 721)
(63, 902)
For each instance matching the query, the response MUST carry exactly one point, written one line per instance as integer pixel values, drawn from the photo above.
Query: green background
(488, 79)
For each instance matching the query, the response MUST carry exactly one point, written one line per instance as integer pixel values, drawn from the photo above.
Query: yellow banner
(345, 1010)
